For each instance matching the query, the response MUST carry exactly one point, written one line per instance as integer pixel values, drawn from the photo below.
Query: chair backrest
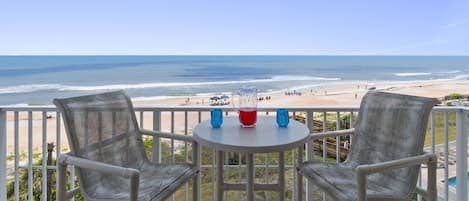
(102, 128)
(389, 127)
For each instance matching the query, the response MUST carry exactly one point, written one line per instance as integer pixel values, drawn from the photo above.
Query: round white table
(265, 137)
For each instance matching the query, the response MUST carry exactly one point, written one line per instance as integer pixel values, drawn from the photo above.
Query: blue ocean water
(37, 79)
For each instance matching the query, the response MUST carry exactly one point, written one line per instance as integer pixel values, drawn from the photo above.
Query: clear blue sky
(259, 27)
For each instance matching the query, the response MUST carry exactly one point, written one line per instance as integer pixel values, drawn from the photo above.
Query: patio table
(265, 137)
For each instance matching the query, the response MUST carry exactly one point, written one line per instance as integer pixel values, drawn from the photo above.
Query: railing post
(461, 155)
(309, 155)
(156, 140)
(3, 155)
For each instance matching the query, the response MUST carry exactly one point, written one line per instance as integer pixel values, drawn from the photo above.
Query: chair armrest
(67, 159)
(332, 134)
(167, 135)
(367, 169)
(395, 164)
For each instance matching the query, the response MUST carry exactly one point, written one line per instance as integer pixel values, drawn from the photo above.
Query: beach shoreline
(334, 95)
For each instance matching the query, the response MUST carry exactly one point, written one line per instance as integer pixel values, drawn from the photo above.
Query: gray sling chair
(386, 153)
(107, 150)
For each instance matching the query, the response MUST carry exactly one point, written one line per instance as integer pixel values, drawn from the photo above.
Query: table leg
(298, 175)
(281, 176)
(250, 177)
(219, 159)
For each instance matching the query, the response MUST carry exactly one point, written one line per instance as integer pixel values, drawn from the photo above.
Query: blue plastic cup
(216, 118)
(282, 117)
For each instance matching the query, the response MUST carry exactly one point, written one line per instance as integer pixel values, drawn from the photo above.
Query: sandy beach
(335, 95)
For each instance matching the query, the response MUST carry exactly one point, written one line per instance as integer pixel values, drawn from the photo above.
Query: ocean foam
(301, 78)
(188, 84)
(29, 88)
(153, 98)
(59, 87)
(453, 71)
(210, 94)
(410, 74)
(460, 77)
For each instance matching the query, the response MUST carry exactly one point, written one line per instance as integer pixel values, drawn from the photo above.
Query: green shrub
(37, 185)
(454, 96)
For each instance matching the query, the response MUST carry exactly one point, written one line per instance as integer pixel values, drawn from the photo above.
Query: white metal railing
(35, 119)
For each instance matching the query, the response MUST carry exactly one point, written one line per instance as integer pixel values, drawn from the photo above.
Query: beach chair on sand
(107, 150)
(386, 152)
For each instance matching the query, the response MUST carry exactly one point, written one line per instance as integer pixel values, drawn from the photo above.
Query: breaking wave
(60, 87)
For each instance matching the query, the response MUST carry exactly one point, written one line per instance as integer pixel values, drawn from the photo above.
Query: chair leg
(361, 185)
(61, 180)
(431, 185)
(196, 187)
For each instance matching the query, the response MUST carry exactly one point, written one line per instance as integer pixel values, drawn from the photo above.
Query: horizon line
(410, 55)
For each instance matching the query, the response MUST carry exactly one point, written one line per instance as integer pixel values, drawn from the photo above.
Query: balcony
(31, 138)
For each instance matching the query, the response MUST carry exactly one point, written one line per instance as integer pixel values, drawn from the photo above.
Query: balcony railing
(42, 125)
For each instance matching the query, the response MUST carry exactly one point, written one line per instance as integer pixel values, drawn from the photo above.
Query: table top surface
(265, 137)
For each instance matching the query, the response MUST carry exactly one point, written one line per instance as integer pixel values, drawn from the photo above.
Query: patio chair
(107, 150)
(386, 153)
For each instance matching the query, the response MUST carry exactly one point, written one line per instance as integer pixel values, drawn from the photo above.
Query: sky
(241, 27)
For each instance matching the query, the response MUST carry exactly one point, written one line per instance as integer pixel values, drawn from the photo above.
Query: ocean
(36, 80)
